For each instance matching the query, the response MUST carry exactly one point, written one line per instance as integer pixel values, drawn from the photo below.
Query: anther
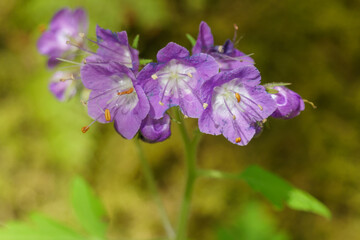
(238, 98)
(264, 120)
(236, 27)
(126, 92)
(154, 76)
(220, 49)
(84, 61)
(161, 103)
(186, 116)
(205, 105)
(237, 140)
(261, 108)
(234, 117)
(42, 28)
(107, 115)
(82, 35)
(85, 129)
(190, 75)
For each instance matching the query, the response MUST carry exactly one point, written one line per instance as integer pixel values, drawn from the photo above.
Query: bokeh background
(315, 45)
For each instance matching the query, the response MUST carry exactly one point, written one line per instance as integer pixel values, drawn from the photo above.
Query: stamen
(71, 77)
(261, 108)
(82, 35)
(161, 103)
(107, 115)
(186, 116)
(190, 75)
(238, 98)
(126, 92)
(234, 117)
(264, 120)
(237, 140)
(85, 129)
(311, 103)
(205, 105)
(154, 76)
(68, 61)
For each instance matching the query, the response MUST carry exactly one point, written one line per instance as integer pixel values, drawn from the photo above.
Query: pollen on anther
(85, 129)
(161, 103)
(234, 117)
(190, 75)
(154, 76)
(107, 115)
(237, 140)
(261, 108)
(126, 92)
(205, 105)
(238, 98)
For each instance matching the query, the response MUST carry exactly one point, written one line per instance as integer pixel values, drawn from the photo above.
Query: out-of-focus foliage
(252, 223)
(312, 44)
(88, 209)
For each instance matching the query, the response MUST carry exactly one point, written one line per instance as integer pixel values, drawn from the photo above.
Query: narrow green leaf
(88, 209)
(136, 41)
(40, 228)
(303, 201)
(278, 192)
(275, 84)
(191, 39)
(145, 61)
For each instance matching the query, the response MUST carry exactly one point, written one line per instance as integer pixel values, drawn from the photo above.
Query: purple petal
(205, 39)
(171, 51)
(115, 47)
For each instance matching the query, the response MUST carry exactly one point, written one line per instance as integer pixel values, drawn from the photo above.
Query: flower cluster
(217, 84)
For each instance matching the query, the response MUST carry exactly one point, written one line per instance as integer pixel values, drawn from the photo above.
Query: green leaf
(278, 192)
(272, 187)
(40, 228)
(191, 39)
(145, 61)
(88, 209)
(136, 41)
(275, 84)
(303, 201)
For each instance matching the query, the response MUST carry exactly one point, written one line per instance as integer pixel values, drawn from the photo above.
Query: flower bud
(289, 103)
(155, 130)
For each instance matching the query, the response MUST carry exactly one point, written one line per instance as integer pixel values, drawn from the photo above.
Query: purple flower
(115, 96)
(289, 103)
(176, 80)
(65, 26)
(114, 47)
(155, 130)
(236, 102)
(62, 85)
(226, 55)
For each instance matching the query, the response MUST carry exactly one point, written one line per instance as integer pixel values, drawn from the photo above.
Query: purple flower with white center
(155, 130)
(226, 55)
(236, 102)
(289, 103)
(115, 96)
(114, 47)
(176, 80)
(65, 26)
(62, 85)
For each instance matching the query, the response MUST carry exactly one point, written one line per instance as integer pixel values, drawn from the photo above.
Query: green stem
(152, 187)
(190, 162)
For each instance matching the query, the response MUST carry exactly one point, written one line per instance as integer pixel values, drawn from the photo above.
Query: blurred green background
(313, 44)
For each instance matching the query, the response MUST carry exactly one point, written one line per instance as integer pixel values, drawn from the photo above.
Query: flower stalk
(149, 177)
(190, 145)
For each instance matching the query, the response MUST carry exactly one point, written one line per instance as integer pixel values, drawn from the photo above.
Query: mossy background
(315, 45)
